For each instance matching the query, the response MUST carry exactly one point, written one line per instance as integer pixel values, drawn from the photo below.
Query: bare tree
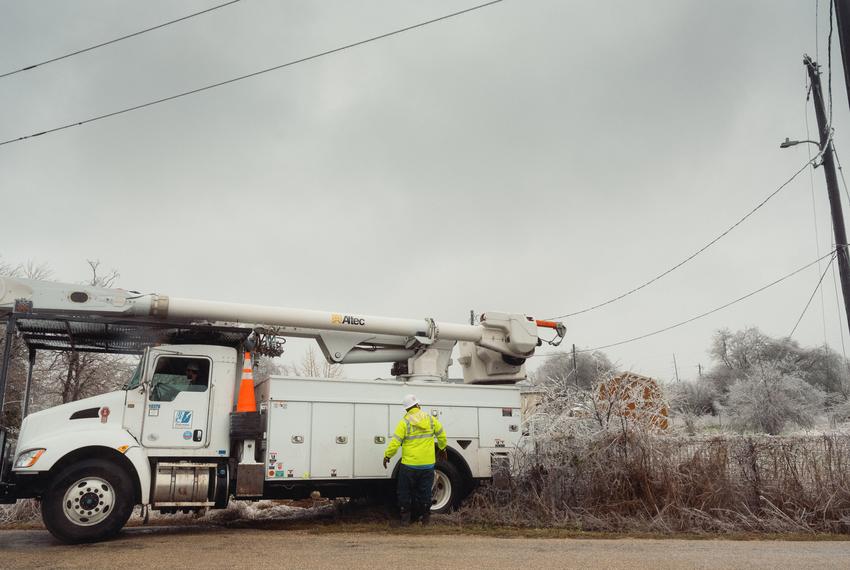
(9, 269)
(70, 376)
(568, 402)
(693, 397)
(584, 372)
(741, 354)
(28, 270)
(768, 399)
(267, 367)
(101, 280)
(10, 414)
(33, 270)
(312, 366)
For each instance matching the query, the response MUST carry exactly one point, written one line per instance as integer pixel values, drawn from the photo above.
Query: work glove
(442, 455)
(386, 462)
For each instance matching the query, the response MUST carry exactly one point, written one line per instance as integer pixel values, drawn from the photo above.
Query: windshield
(137, 377)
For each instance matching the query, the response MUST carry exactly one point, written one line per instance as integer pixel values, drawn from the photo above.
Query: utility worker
(415, 435)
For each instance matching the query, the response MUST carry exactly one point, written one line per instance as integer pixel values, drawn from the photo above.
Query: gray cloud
(534, 156)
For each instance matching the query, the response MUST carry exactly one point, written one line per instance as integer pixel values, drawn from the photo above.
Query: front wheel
(448, 489)
(88, 501)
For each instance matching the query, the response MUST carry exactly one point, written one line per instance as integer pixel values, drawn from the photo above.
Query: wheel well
(458, 461)
(100, 452)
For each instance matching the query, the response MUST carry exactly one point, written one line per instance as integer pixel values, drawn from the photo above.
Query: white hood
(49, 422)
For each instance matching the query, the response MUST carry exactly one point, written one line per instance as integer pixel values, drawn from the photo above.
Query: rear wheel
(88, 501)
(448, 488)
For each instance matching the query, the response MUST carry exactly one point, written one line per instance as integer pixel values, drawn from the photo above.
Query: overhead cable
(254, 74)
(697, 252)
(701, 315)
(809, 302)
(116, 40)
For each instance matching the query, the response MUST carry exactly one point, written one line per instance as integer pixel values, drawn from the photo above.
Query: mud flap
(249, 480)
(500, 467)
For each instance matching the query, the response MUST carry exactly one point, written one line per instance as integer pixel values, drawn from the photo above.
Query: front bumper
(12, 486)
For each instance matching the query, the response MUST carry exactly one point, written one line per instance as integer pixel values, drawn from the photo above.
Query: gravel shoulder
(380, 547)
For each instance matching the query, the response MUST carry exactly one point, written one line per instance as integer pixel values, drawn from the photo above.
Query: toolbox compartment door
(332, 443)
(288, 452)
(371, 436)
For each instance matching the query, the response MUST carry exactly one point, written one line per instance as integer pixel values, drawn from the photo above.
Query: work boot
(426, 517)
(405, 517)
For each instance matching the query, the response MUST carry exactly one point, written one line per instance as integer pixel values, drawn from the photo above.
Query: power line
(817, 34)
(701, 315)
(697, 252)
(100, 45)
(809, 302)
(254, 74)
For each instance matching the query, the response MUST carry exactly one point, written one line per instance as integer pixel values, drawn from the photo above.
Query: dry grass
(632, 481)
(22, 514)
(627, 482)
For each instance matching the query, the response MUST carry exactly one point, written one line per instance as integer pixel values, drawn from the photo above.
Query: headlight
(28, 458)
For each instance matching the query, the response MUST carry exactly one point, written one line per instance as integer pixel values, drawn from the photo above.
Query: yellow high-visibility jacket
(415, 435)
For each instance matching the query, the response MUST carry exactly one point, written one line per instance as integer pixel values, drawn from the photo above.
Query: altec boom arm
(513, 337)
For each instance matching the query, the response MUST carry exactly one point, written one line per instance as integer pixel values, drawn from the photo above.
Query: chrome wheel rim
(89, 501)
(441, 491)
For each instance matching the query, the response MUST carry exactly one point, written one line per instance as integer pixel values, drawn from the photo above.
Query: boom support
(494, 351)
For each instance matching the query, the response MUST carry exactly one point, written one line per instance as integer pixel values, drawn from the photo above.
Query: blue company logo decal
(187, 435)
(182, 418)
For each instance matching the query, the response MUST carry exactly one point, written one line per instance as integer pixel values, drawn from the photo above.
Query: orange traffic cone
(247, 402)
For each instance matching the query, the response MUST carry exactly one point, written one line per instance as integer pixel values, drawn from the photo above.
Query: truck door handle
(342, 439)
(379, 439)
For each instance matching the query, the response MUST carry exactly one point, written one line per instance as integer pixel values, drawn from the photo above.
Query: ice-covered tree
(768, 398)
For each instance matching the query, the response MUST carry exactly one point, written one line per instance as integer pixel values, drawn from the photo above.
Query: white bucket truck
(179, 437)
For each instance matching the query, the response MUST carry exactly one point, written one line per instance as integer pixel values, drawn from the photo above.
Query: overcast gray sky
(534, 156)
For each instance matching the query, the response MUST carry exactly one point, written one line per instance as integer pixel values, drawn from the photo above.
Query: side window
(175, 374)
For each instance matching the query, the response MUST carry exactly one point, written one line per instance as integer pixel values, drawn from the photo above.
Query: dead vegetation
(633, 481)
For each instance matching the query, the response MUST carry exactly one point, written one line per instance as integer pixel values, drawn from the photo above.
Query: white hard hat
(409, 401)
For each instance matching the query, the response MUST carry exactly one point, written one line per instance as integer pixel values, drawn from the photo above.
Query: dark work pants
(414, 489)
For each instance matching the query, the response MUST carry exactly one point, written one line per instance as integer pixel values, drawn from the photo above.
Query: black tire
(447, 475)
(88, 480)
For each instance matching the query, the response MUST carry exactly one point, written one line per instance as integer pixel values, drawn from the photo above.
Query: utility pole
(831, 183)
(842, 17)
(575, 367)
(676, 367)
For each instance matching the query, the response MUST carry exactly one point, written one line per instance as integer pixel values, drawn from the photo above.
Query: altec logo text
(337, 319)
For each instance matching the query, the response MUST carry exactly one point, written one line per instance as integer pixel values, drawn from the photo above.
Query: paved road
(221, 547)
